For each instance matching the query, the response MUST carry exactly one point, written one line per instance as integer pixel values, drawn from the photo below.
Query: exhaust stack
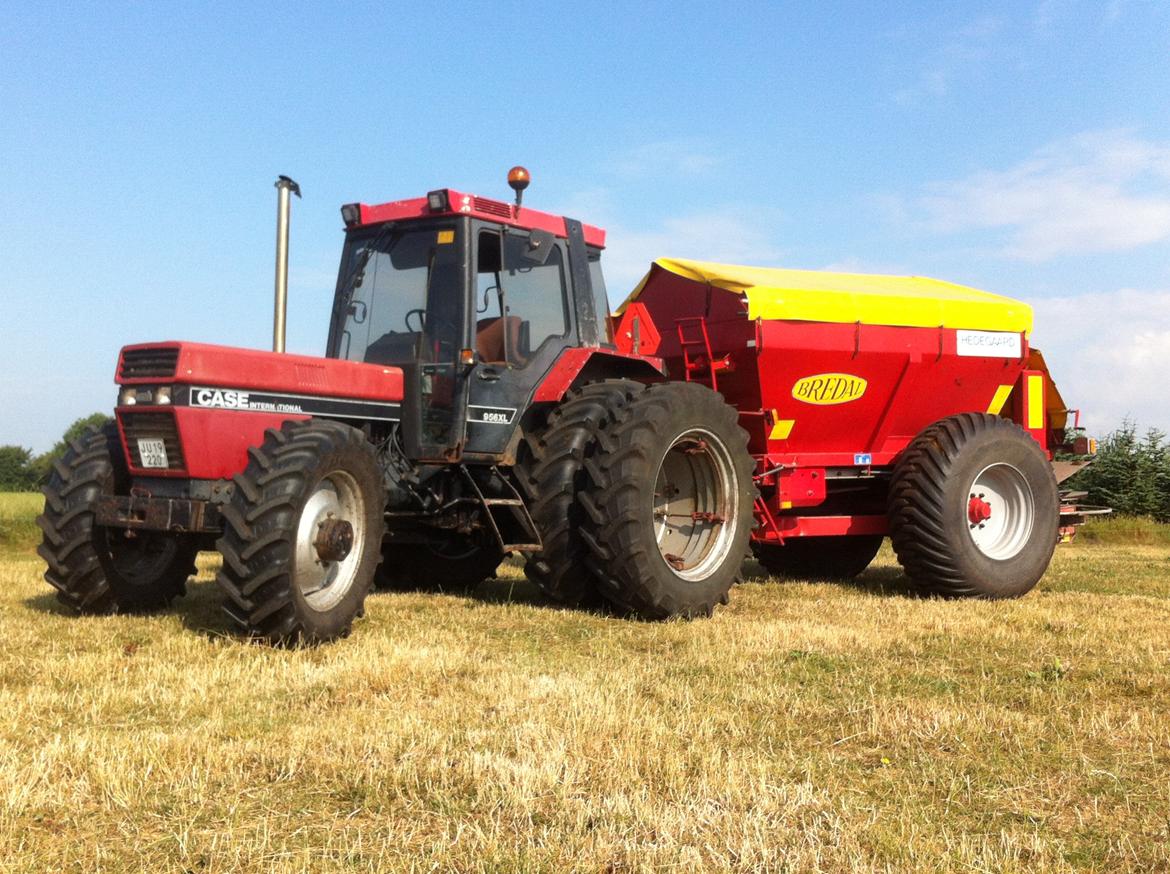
(283, 186)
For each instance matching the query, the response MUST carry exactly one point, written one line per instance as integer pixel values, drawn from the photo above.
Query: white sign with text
(988, 344)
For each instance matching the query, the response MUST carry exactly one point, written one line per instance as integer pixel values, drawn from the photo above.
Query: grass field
(805, 727)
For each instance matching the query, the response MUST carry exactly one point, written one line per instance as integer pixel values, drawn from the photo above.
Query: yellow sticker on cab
(826, 389)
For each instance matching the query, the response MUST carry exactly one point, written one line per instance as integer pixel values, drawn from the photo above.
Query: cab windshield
(401, 297)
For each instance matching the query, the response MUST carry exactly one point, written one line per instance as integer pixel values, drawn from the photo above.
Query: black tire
(550, 473)
(668, 442)
(279, 584)
(98, 570)
(458, 566)
(819, 558)
(931, 495)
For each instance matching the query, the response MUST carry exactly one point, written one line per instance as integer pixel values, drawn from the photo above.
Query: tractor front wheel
(974, 509)
(669, 502)
(102, 570)
(303, 532)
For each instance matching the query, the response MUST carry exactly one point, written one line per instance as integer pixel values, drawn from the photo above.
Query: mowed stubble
(808, 726)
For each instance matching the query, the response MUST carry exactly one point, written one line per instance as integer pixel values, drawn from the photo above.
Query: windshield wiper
(385, 240)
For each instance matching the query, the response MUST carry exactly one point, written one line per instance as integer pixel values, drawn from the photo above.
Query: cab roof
(871, 299)
(485, 208)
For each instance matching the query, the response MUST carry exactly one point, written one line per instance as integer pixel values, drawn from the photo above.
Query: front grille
(492, 207)
(154, 426)
(153, 363)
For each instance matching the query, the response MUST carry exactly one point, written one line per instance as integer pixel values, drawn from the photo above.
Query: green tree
(1131, 474)
(1162, 485)
(43, 464)
(16, 469)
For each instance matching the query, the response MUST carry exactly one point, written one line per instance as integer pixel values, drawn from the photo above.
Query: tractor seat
(489, 339)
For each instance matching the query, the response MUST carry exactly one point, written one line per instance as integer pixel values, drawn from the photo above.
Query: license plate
(153, 453)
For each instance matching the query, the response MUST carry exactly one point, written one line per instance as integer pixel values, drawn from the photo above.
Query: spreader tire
(302, 534)
(453, 567)
(974, 509)
(819, 558)
(100, 570)
(550, 472)
(669, 503)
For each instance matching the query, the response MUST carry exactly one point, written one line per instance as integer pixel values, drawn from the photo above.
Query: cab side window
(517, 309)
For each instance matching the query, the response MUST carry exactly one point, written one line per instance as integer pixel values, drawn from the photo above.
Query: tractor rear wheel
(457, 566)
(669, 502)
(550, 472)
(974, 509)
(302, 533)
(819, 558)
(103, 570)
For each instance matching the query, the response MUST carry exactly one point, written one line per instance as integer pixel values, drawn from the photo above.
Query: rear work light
(351, 214)
(438, 201)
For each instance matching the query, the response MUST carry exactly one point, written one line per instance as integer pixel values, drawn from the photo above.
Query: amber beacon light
(518, 179)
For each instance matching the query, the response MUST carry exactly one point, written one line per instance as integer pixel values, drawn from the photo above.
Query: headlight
(132, 394)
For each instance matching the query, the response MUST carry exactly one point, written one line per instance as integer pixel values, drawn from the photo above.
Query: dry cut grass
(806, 727)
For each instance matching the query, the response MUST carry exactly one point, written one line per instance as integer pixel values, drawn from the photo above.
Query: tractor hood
(223, 369)
(192, 410)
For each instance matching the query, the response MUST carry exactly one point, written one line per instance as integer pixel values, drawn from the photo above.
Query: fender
(575, 366)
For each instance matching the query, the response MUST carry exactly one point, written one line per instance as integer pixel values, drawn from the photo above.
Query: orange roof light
(518, 179)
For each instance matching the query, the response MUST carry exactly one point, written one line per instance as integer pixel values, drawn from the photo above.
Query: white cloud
(1115, 9)
(718, 235)
(1107, 352)
(1096, 192)
(961, 54)
(862, 265)
(666, 158)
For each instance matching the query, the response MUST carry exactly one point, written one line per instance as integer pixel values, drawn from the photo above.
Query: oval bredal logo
(825, 389)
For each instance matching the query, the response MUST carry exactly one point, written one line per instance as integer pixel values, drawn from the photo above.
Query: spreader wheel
(974, 509)
(669, 503)
(303, 532)
(102, 570)
(551, 473)
(819, 558)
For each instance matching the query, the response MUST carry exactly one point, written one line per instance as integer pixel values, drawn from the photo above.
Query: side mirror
(529, 251)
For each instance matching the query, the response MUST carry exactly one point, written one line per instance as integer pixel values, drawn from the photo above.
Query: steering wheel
(422, 320)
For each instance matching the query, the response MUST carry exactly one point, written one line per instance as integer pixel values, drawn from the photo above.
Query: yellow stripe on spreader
(782, 429)
(1035, 402)
(997, 402)
(869, 299)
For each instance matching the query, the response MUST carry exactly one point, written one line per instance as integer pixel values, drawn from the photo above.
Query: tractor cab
(475, 299)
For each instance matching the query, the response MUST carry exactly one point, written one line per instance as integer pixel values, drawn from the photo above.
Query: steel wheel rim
(1011, 509)
(695, 503)
(324, 582)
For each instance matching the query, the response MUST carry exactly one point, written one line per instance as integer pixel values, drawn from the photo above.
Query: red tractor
(476, 399)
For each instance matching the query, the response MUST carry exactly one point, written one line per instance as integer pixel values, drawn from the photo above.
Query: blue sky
(1023, 148)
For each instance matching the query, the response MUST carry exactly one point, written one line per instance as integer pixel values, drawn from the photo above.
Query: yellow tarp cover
(872, 299)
